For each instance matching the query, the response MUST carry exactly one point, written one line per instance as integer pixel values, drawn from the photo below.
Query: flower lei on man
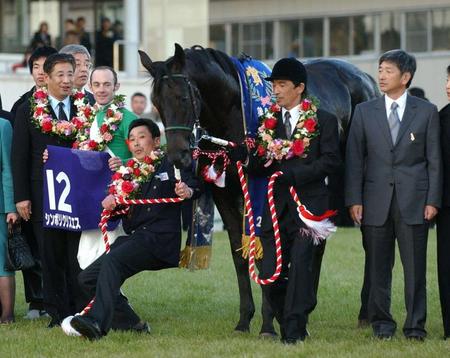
(127, 180)
(43, 120)
(111, 123)
(271, 148)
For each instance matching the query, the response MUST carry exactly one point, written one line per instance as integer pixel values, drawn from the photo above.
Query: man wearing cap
(293, 295)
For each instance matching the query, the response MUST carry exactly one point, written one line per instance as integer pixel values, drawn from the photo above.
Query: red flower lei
(111, 123)
(306, 129)
(126, 181)
(43, 120)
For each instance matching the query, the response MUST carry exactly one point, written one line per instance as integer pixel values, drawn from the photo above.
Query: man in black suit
(58, 248)
(153, 241)
(83, 67)
(32, 278)
(36, 66)
(393, 188)
(294, 294)
(443, 218)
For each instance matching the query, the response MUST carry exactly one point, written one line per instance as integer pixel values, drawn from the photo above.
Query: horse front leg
(232, 218)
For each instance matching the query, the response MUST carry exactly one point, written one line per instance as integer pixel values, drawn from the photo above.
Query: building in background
(358, 31)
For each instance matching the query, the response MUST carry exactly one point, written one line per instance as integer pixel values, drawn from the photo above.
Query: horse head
(178, 100)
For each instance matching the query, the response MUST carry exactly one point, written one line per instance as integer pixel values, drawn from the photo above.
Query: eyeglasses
(87, 65)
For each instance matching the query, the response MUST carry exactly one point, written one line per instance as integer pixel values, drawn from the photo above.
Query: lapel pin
(412, 137)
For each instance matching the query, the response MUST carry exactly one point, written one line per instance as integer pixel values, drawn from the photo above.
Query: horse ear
(147, 62)
(179, 57)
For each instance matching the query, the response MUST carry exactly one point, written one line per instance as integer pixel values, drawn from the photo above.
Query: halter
(193, 103)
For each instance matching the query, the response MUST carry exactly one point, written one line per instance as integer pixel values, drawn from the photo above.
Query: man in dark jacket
(443, 218)
(294, 294)
(153, 241)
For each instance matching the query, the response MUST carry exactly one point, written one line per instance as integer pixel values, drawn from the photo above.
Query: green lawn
(192, 314)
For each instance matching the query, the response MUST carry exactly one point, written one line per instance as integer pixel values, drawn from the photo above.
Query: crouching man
(153, 241)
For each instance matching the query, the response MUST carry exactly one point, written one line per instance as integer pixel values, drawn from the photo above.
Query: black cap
(289, 69)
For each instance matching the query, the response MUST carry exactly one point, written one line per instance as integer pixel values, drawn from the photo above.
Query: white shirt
(55, 102)
(295, 115)
(401, 101)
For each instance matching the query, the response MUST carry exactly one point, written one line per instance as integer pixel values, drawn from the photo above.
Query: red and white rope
(276, 229)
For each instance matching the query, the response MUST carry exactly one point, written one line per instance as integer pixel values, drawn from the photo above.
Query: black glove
(287, 178)
(238, 153)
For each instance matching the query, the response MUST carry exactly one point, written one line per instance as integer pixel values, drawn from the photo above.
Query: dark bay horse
(202, 85)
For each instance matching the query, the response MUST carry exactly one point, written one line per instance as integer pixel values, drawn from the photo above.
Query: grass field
(192, 314)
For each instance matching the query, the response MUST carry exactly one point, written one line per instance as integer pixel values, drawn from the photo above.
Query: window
(363, 34)
(312, 38)
(217, 37)
(255, 39)
(339, 36)
(390, 31)
(440, 20)
(416, 31)
(290, 38)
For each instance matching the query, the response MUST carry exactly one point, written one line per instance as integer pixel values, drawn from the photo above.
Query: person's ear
(157, 142)
(117, 86)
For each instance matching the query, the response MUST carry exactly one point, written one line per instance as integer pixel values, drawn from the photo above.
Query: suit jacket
(411, 167)
(323, 159)
(6, 182)
(444, 116)
(22, 99)
(28, 145)
(161, 218)
(90, 97)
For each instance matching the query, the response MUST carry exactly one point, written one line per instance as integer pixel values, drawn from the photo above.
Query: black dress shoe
(54, 323)
(86, 327)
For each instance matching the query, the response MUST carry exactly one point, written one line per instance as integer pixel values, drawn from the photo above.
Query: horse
(201, 86)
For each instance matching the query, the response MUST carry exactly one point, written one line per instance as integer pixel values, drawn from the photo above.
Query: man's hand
(430, 212)
(109, 203)
(114, 163)
(183, 191)
(356, 213)
(24, 209)
(11, 218)
(45, 156)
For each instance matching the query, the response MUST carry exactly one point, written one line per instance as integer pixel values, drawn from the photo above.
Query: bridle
(194, 104)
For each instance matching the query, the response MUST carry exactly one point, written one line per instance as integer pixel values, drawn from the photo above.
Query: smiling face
(60, 80)
(83, 66)
(391, 81)
(287, 95)
(103, 86)
(141, 142)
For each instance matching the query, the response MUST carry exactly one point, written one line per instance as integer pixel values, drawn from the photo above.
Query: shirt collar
(54, 103)
(401, 101)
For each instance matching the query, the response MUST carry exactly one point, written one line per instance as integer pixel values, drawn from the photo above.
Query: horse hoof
(268, 335)
(241, 330)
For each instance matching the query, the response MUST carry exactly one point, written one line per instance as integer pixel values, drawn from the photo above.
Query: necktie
(394, 121)
(61, 114)
(287, 124)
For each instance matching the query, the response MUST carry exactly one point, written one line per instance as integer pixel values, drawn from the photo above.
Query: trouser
(443, 263)
(292, 296)
(129, 255)
(62, 295)
(412, 242)
(32, 278)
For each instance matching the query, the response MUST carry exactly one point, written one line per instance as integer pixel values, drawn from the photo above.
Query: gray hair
(72, 49)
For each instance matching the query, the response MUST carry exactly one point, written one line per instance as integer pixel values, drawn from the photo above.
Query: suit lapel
(381, 118)
(73, 109)
(408, 116)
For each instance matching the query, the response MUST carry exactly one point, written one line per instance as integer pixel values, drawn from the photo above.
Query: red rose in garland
(305, 105)
(310, 125)
(297, 147)
(127, 187)
(270, 123)
(137, 171)
(47, 126)
(261, 150)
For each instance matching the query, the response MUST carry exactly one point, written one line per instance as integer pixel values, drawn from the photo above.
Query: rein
(192, 100)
